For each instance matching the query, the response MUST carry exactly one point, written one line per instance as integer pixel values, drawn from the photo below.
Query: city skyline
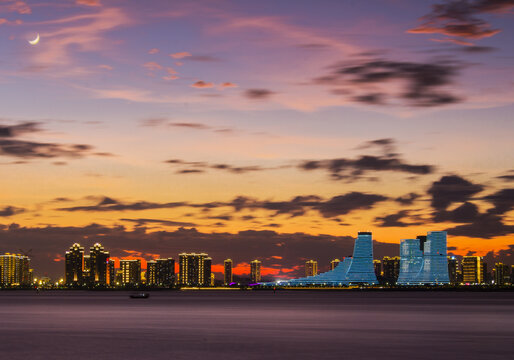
(255, 130)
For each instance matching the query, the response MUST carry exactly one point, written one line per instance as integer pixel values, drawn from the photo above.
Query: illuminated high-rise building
(435, 262)
(358, 269)
(453, 268)
(472, 270)
(207, 272)
(74, 266)
(130, 272)
(390, 269)
(334, 263)
(485, 273)
(361, 269)
(213, 279)
(111, 271)
(194, 269)
(377, 266)
(98, 260)
(411, 260)
(15, 269)
(501, 274)
(165, 274)
(311, 268)
(86, 270)
(255, 271)
(151, 272)
(227, 274)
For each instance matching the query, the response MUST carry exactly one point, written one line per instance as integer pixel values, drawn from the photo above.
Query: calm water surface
(256, 325)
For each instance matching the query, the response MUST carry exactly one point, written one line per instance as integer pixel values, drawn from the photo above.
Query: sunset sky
(271, 130)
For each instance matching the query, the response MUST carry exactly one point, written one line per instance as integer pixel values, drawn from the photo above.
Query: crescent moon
(35, 41)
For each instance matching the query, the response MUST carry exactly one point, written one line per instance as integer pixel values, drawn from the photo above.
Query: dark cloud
(201, 166)
(451, 189)
(395, 220)
(507, 177)
(407, 199)
(422, 83)
(11, 145)
(313, 46)
(9, 131)
(477, 49)
(297, 206)
(202, 58)
(455, 189)
(258, 94)
(190, 125)
(31, 149)
(465, 213)
(354, 169)
(289, 249)
(459, 18)
(484, 226)
(109, 204)
(143, 221)
(10, 211)
(502, 200)
(343, 204)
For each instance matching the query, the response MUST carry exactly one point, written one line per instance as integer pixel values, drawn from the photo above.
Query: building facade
(15, 270)
(311, 268)
(334, 263)
(472, 270)
(411, 261)
(358, 269)
(130, 272)
(390, 269)
(227, 272)
(98, 261)
(453, 270)
(501, 274)
(255, 271)
(74, 266)
(194, 269)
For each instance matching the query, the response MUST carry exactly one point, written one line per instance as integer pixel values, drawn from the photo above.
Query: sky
(270, 130)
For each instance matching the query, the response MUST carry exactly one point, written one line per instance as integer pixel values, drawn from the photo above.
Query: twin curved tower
(424, 260)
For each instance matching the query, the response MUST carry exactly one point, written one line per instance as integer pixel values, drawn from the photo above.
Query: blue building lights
(424, 263)
(352, 270)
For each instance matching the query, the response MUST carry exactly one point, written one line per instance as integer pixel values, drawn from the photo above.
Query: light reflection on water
(256, 325)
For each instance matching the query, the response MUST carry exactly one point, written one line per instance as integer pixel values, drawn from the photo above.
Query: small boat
(140, 296)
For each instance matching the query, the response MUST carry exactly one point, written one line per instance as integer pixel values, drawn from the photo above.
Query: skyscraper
(151, 272)
(311, 268)
(207, 264)
(390, 269)
(472, 270)
(165, 272)
(435, 262)
(74, 265)
(15, 269)
(227, 278)
(361, 269)
(411, 260)
(98, 259)
(501, 274)
(111, 271)
(130, 272)
(334, 263)
(453, 269)
(377, 265)
(255, 271)
(194, 269)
